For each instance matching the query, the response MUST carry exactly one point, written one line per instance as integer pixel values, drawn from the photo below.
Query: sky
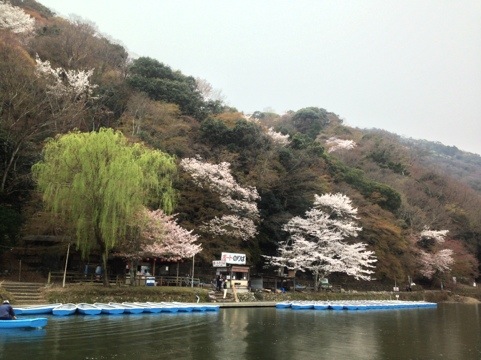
(410, 67)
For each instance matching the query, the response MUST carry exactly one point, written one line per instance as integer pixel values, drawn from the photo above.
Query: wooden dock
(253, 304)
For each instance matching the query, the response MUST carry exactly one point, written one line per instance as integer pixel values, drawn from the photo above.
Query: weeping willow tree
(98, 182)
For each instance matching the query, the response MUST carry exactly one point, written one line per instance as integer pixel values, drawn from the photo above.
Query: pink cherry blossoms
(432, 259)
(164, 238)
(240, 201)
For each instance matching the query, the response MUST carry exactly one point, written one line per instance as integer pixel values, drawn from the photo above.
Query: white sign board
(218, 263)
(231, 258)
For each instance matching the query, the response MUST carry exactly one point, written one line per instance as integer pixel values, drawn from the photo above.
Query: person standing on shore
(6, 311)
(219, 282)
(224, 285)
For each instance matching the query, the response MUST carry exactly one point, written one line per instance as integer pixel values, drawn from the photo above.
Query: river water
(450, 331)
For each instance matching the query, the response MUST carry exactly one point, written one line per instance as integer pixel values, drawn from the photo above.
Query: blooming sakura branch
(66, 82)
(240, 201)
(335, 144)
(15, 19)
(317, 243)
(432, 258)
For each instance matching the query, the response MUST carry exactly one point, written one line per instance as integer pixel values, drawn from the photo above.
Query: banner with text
(231, 258)
(218, 263)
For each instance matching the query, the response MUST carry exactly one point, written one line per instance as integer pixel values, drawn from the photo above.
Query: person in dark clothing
(6, 311)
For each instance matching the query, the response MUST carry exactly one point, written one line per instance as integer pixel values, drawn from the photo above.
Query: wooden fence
(75, 277)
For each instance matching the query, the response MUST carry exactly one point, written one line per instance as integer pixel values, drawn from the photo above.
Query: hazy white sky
(412, 67)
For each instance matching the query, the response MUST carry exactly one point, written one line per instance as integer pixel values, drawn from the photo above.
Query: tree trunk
(177, 279)
(316, 281)
(105, 256)
(133, 273)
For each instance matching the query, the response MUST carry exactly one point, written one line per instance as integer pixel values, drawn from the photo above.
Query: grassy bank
(98, 293)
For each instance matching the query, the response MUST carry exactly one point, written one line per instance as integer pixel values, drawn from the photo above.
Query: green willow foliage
(97, 182)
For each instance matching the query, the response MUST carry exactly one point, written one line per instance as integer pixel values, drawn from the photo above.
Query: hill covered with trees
(241, 178)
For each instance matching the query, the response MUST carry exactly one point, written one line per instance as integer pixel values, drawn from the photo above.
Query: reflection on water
(452, 331)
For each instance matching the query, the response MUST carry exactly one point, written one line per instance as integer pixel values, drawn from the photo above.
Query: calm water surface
(452, 331)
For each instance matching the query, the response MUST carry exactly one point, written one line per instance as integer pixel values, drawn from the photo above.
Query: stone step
(24, 283)
(219, 297)
(25, 293)
(22, 290)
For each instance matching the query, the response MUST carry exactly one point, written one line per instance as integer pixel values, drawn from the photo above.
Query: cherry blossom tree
(336, 144)
(431, 263)
(317, 242)
(433, 260)
(167, 240)
(159, 237)
(207, 90)
(15, 19)
(240, 201)
(277, 137)
(75, 83)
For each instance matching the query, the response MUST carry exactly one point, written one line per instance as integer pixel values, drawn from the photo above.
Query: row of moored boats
(354, 305)
(114, 308)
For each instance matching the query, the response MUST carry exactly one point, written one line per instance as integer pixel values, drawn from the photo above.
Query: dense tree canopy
(160, 82)
(98, 183)
(310, 121)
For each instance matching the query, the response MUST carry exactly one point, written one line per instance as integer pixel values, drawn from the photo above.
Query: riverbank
(97, 293)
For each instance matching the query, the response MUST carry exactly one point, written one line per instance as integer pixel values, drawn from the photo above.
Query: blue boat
(181, 307)
(169, 307)
(88, 309)
(165, 307)
(110, 308)
(283, 305)
(154, 308)
(64, 309)
(352, 306)
(192, 306)
(149, 308)
(321, 305)
(35, 309)
(336, 306)
(23, 323)
(301, 305)
(360, 305)
(129, 309)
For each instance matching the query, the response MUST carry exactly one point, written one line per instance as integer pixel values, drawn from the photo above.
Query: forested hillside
(59, 75)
